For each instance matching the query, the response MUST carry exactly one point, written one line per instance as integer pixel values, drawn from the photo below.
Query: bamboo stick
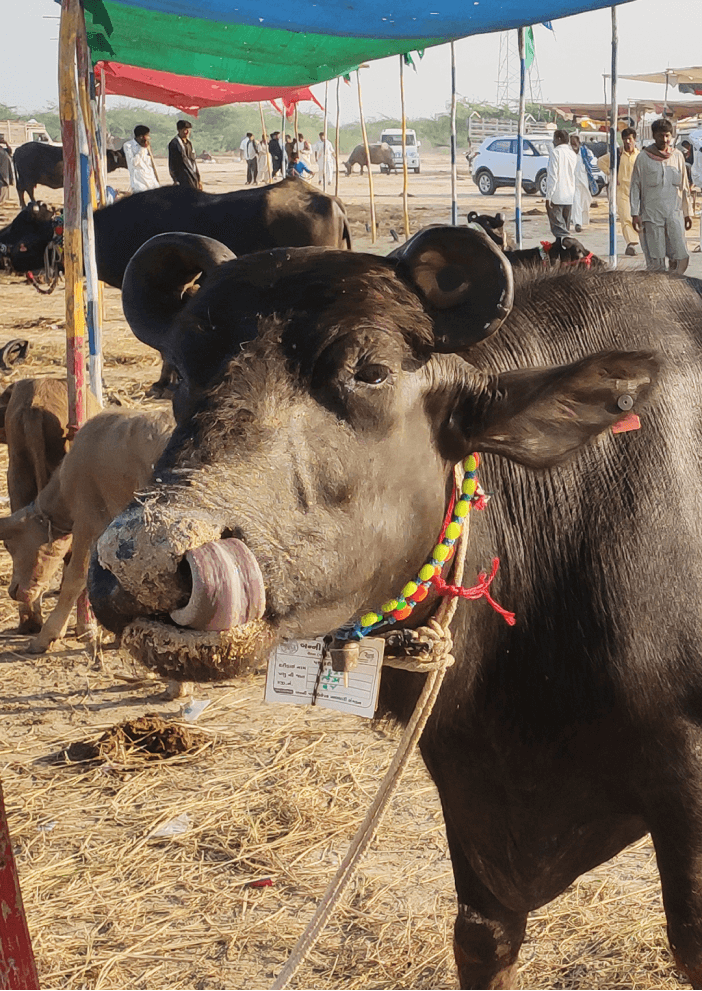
(520, 138)
(454, 176)
(72, 242)
(365, 145)
(264, 136)
(405, 171)
(336, 140)
(324, 140)
(614, 115)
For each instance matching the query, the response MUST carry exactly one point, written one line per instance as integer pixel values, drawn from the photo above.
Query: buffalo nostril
(125, 550)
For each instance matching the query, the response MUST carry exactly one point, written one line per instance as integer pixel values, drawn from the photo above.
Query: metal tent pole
(324, 147)
(454, 175)
(613, 148)
(405, 177)
(520, 139)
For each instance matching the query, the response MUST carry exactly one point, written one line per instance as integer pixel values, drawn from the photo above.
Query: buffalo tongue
(227, 587)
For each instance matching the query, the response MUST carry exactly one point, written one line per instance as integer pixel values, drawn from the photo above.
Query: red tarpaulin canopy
(190, 93)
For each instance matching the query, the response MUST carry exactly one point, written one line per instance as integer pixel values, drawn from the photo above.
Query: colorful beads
(370, 619)
(396, 610)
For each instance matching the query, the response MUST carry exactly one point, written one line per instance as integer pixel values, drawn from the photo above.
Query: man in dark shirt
(275, 148)
(181, 158)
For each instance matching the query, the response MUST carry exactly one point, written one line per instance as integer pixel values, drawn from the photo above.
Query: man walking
(560, 184)
(660, 201)
(140, 162)
(248, 151)
(625, 167)
(181, 158)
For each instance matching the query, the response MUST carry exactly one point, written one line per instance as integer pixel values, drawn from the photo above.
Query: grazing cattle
(286, 214)
(24, 241)
(380, 154)
(111, 458)
(494, 226)
(332, 394)
(34, 425)
(38, 164)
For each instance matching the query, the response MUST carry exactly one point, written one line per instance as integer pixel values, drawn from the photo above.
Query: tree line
(220, 129)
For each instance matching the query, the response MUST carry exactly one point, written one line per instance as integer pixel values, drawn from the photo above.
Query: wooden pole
(264, 135)
(405, 171)
(324, 146)
(520, 139)
(454, 167)
(103, 131)
(17, 966)
(284, 167)
(72, 242)
(365, 145)
(336, 140)
(613, 148)
(297, 128)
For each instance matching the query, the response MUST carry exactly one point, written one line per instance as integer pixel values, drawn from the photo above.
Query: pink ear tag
(628, 422)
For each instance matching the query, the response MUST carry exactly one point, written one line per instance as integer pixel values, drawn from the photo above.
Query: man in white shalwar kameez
(142, 175)
(326, 160)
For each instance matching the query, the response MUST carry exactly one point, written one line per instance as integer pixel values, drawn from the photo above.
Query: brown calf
(110, 459)
(34, 425)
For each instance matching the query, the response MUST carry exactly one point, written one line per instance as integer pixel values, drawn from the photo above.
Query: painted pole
(17, 966)
(72, 241)
(520, 139)
(336, 139)
(405, 171)
(324, 146)
(264, 136)
(613, 148)
(365, 145)
(103, 131)
(87, 141)
(454, 174)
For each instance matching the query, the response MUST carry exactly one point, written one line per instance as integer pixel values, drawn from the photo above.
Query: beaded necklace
(396, 610)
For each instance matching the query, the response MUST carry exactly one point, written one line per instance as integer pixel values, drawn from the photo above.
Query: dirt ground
(198, 868)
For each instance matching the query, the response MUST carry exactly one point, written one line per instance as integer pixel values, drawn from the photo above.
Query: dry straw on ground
(268, 792)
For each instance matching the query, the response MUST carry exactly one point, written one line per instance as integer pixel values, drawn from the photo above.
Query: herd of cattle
(324, 396)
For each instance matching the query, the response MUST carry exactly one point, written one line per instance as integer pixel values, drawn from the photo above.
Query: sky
(571, 60)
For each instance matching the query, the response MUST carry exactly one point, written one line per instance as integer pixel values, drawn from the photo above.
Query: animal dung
(148, 737)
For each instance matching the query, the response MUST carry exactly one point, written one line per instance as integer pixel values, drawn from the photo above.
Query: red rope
(479, 591)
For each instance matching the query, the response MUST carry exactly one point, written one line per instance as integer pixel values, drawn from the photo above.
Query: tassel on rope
(479, 591)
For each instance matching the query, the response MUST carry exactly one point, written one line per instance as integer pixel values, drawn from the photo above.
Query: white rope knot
(427, 648)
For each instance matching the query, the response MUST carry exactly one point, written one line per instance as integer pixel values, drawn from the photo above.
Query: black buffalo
(288, 213)
(561, 251)
(24, 241)
(331, 394)
(493, 225)
(39, 164)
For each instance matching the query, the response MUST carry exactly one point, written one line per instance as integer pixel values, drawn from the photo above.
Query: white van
(393, 137)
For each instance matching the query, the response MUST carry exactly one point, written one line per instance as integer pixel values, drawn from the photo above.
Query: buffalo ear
(539, 417)
(463, 280)
(153, 288)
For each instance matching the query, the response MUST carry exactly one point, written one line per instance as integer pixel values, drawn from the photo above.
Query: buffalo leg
(678, 841)
(487, 936)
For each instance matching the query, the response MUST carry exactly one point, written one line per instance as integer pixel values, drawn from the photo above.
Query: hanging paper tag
(294, 677)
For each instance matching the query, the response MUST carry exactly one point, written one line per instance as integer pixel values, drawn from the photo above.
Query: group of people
(653, 192)
(297, 152)
(182, 163)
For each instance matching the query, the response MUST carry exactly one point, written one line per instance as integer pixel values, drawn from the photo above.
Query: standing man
(325, 159)
(625, 167)
(660, 201)
(7, 176)
(181, 158)
(248, 152)
(276, 150)
(140, 162)
(560, 185)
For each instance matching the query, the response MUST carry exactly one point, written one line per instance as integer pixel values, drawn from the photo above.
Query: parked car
(393, 137)
(496, 164)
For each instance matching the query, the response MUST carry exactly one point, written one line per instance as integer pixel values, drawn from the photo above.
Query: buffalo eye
(372, 374)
